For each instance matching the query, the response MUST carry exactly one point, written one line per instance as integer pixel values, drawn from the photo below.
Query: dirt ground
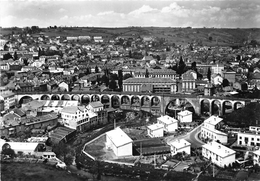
(34, 172)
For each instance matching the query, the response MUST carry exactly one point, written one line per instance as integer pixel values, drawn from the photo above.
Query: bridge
(155, 103)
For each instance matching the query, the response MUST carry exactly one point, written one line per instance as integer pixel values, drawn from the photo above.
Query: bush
(10, 152)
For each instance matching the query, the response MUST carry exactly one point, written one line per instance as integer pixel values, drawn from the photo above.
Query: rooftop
(119, 137)
(167, 119)
(213, 120)
(96, 104)
(218, 149)
(155, 126)
(73, 109)
(180, 143)
(150, 80)
(184, 113)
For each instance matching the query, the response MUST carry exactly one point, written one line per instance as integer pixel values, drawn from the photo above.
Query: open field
(34, 172)
(172, 35)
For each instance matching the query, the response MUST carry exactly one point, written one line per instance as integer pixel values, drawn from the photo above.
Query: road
(191, 137)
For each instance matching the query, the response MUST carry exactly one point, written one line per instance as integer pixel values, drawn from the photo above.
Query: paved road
(191, 137)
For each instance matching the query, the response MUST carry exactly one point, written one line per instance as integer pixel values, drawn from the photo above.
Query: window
(258, 139)
(240, 137)
(252, 139)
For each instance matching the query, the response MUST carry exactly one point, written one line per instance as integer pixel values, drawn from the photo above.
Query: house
(8, 98)
(250, 138)
(256, 157)
(119, 142)
(229, 75)
(184, 116)
(25, 148)
(219, 154)
(217, 69)
(155, 130)
(180, 146)
(217, 79)
(170, 124)
(97, 109)
(75, 117)
(63, 86)
(209, 130)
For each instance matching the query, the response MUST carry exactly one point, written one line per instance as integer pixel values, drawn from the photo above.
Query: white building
(217, 69)
(256, 157)
(22, 147)
(8, 97)
(75, 117)
(155, 130)
(180, 146)
(219, 154)
(254, 128)
(119, 142)
(248, 139)
(209, 130)
(170, 124)
(95, 106)
(185, 116)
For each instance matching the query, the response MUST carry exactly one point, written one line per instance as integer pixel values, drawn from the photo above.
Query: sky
(124, 13)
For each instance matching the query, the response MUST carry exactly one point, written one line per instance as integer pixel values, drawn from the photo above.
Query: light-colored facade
(218, 154)
(209, 130)
(256, 157)
(155, 130)
(8, 97)
(217, 69)
(75, 117)
(119, 142)
(185, 116)
(248, 139)
(180, 146)
(170, 124)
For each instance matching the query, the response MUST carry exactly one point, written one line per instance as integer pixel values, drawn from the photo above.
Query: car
(61, 165)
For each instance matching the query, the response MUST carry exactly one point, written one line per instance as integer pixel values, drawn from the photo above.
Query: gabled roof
(73, 109)
(96, 104)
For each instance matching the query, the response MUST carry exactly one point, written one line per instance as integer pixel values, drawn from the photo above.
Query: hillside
(207, 36)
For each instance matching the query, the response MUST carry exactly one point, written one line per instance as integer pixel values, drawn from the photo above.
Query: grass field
(34, 172)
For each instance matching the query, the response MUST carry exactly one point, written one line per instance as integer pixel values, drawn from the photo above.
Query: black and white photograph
(130, 90)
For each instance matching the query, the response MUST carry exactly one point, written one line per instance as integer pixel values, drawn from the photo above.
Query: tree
(146, 74)
(15, 55)
(181, 66)
(126, 76)
(96, 69)
(112, 84)
(120, 79)
(209, 74)
(68, 159)
(194, 66)
(225, 83)
(7, 56)
(9, 151)
(105, 80)
(210, 38)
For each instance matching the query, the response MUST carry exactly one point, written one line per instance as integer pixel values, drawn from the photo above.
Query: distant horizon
(125, 13)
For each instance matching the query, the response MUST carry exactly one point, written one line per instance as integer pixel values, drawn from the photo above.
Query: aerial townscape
(129, 103)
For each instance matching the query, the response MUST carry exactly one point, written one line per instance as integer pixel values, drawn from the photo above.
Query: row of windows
(246, 138)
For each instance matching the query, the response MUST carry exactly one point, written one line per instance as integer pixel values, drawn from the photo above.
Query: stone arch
(45, 97)
(105, 100)
(55, 97)
(65, 97)
(75, 97)
(238, 105)
(216, 107)
(125, 100)
(95, 98)
(85, 99)
(173, 107)
(205, 106)
(115, 101)
(227, 107)
(155, 101)
(135, 101)
(25, 99)
(145, 101)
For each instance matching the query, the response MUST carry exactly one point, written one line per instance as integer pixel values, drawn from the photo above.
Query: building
(248, 139)
(155, 85)
(170, 124)
(155, 130)
(75, 117)
(184, 116)
(256, 157)
(97, 113)
(8, 99)
(155, 73)
(180, 146)
(188, 81)
(25, 148)
(119, 142)
(217, 69)
(229, 75)
(218, 154)
(95, 106)
(209, 130)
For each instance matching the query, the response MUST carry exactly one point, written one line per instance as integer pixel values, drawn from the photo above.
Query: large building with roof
(119, 142)
(155, 85)
(218, 154)
(155, 73)
(209, 130)
(62, 134)
(26, 148)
